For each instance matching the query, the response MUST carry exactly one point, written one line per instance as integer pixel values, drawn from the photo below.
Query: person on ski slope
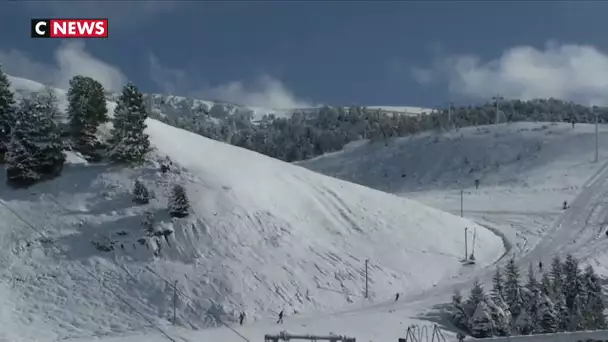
(280, 317)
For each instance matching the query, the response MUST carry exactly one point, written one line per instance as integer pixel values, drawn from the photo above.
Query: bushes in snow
(565, 299)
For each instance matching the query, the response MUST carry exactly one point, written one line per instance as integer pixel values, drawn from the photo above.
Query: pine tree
(593, 315)
(531, 297)
(459, 316)
(7, 113)
(48, 142)
(563, 316)
(476, 295)
(481, 322)
(548, 317)
(141, 195)
(512, 289)
(545, 285)
(498, 283)
(21, 163)
(573, 291)
(179, 205)
(557, 275)
(500, 313)
(129, 143)
(87, 109)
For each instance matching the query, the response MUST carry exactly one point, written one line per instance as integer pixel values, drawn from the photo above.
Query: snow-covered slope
(525, 171)
(263, 236)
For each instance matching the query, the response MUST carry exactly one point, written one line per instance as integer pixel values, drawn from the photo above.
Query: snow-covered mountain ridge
(263, 236)
(172, 105)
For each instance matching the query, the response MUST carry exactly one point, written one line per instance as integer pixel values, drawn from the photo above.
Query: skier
(540, 266)
(396, 296)
(241, 318)
(280, 317)
(565, 205)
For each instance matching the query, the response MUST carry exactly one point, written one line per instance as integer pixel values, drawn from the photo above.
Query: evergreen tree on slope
(481, 322)
(475, 297)
(48, 140)
(498, 307)
(129, 142)
(557, 275)
(35, 149)
(7, 113)
(513, 296)
(593, 315)
(573, 291)
(498, 283)
(457, 312)
(179, 205)
(528, 323)
(548, 317)
(87, 109)
(21, 164)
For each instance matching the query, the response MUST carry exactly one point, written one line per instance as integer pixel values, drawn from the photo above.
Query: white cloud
(568, 71)
(71, 59)
(265, 92)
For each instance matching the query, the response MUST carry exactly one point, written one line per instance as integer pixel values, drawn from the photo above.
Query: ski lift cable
(207, 312)
(93, 275)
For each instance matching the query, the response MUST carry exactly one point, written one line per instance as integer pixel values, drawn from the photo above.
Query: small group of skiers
(242, 317)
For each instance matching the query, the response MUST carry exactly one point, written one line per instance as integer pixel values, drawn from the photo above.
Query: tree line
(563, 299)
(308, 134)
(32, 139)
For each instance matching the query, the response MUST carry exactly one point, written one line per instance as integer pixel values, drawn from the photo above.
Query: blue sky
(295, 53)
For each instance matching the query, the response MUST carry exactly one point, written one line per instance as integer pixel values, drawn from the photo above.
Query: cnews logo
(69, 28)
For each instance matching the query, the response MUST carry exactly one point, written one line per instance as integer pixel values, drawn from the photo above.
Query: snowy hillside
(264, 236)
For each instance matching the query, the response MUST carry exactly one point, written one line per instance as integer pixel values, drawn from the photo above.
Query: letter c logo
(37, 28)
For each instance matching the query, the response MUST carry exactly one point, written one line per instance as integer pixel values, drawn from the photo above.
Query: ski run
(364, 242)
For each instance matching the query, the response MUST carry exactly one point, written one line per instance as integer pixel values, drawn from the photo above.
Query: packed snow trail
(571, 232)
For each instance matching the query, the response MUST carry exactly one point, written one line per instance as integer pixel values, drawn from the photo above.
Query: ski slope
(526, 171)
(263, 236)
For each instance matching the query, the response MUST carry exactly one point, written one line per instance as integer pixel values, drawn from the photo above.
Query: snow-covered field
(264, 236)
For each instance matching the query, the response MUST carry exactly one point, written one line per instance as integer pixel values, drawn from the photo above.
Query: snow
(267, 233)
(263, 236)
(403, 110)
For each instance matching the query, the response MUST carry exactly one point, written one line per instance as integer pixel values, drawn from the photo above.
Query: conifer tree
(50, 147)
(573, 291)
(35, 149)
(141, 195)
(481, 322)
(129, 143)
(87, 109)
(179, 205)
(593, 315)
(7, 113)
(512, 289)
(459, 316)
(498, 283)
(557, 274)
(548, 317)
(21, 163)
